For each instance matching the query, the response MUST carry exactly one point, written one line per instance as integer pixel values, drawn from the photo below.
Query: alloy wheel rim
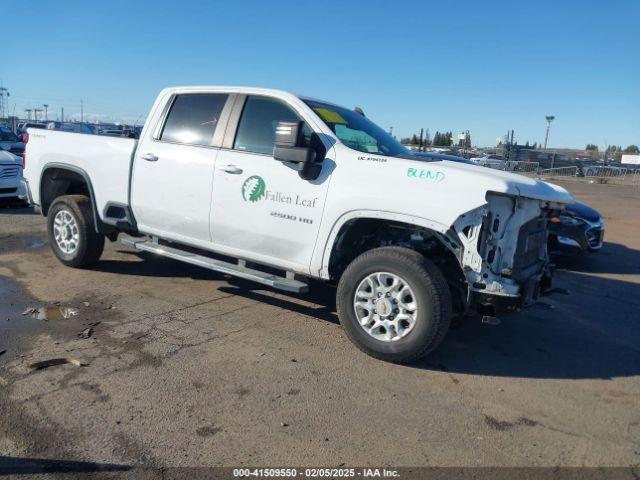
(385, 306)
(65, 232)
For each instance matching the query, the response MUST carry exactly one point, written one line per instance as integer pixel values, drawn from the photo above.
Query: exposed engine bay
(504, 248)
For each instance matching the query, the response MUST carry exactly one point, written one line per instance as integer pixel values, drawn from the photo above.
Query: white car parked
(313, 190)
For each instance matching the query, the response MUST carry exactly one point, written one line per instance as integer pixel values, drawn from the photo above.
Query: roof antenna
(359, 111)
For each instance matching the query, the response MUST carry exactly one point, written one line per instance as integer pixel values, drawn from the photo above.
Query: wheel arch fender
(46, 202)
(322, 259)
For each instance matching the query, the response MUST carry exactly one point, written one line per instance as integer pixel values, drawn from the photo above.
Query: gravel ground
(185, 367)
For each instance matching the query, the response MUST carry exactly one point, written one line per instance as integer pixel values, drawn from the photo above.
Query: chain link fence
(511, 166)
(594, 174)
(588, 173)
(522, 167)
(604, 172)
(559, 172)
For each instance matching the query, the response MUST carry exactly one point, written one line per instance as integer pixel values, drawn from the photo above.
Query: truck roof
(246, 90)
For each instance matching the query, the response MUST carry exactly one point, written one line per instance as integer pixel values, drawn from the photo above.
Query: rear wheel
(71, 230)
(394, 304)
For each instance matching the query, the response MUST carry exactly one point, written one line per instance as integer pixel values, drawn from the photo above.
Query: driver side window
(356, 139)
(257, 127)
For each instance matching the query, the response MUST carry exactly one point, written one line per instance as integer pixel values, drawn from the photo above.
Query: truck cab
(313, 190)
(220, 147)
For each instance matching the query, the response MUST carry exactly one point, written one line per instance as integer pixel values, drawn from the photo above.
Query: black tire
(432, 296)
(90, 244)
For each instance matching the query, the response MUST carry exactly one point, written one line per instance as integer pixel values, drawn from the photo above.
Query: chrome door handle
(230, 169)
(149, 157)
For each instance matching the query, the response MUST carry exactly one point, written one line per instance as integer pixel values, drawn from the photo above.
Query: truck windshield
(357, 131)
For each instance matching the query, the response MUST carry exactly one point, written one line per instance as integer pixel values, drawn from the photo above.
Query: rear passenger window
(257, 128)
(193, 118)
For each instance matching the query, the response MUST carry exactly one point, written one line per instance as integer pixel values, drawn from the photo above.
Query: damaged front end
(502, 249)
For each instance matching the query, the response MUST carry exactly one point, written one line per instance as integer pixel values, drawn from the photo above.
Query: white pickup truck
(279, 189)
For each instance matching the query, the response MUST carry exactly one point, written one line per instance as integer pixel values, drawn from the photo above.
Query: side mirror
(288, 150)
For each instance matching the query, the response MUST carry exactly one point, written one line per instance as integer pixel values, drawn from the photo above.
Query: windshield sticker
(330, 116)
(425, 174)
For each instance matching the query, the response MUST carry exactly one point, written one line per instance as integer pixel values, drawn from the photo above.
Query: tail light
(25, 137)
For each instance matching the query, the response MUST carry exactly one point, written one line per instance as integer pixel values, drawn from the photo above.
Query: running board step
(240, 271)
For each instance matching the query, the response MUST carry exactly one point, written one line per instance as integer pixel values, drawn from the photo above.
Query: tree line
(632, 149)
(612, 150)
(444, 139)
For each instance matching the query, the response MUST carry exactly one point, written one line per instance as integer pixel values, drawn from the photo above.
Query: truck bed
(107, 159)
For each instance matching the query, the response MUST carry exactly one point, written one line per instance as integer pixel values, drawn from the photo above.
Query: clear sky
(486, 66)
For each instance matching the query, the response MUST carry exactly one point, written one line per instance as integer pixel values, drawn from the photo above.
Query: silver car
(12, 185)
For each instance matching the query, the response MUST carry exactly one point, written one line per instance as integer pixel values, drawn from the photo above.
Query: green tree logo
(253, 188)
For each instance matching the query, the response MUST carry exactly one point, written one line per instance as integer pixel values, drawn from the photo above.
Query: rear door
(261, 209)
(173, 168)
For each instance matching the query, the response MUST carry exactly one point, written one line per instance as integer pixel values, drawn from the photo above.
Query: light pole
(546, 137)
(46, 113)
(3, 92)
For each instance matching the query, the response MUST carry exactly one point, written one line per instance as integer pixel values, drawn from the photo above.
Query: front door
(173, 170)
(261, 209)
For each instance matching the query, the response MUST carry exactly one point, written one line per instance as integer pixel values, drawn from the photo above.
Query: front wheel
(394, 304)
(71, 231)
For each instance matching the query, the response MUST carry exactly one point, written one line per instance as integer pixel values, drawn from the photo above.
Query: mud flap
(531, 291)
(546, 281)
(538, 286)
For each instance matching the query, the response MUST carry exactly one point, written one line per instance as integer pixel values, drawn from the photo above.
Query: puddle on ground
(14, 329)
(20, 243)
(54, 312)
(23, 318)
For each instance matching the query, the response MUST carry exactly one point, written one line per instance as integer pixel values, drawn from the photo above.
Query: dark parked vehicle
(579, 228)
(10, 142)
